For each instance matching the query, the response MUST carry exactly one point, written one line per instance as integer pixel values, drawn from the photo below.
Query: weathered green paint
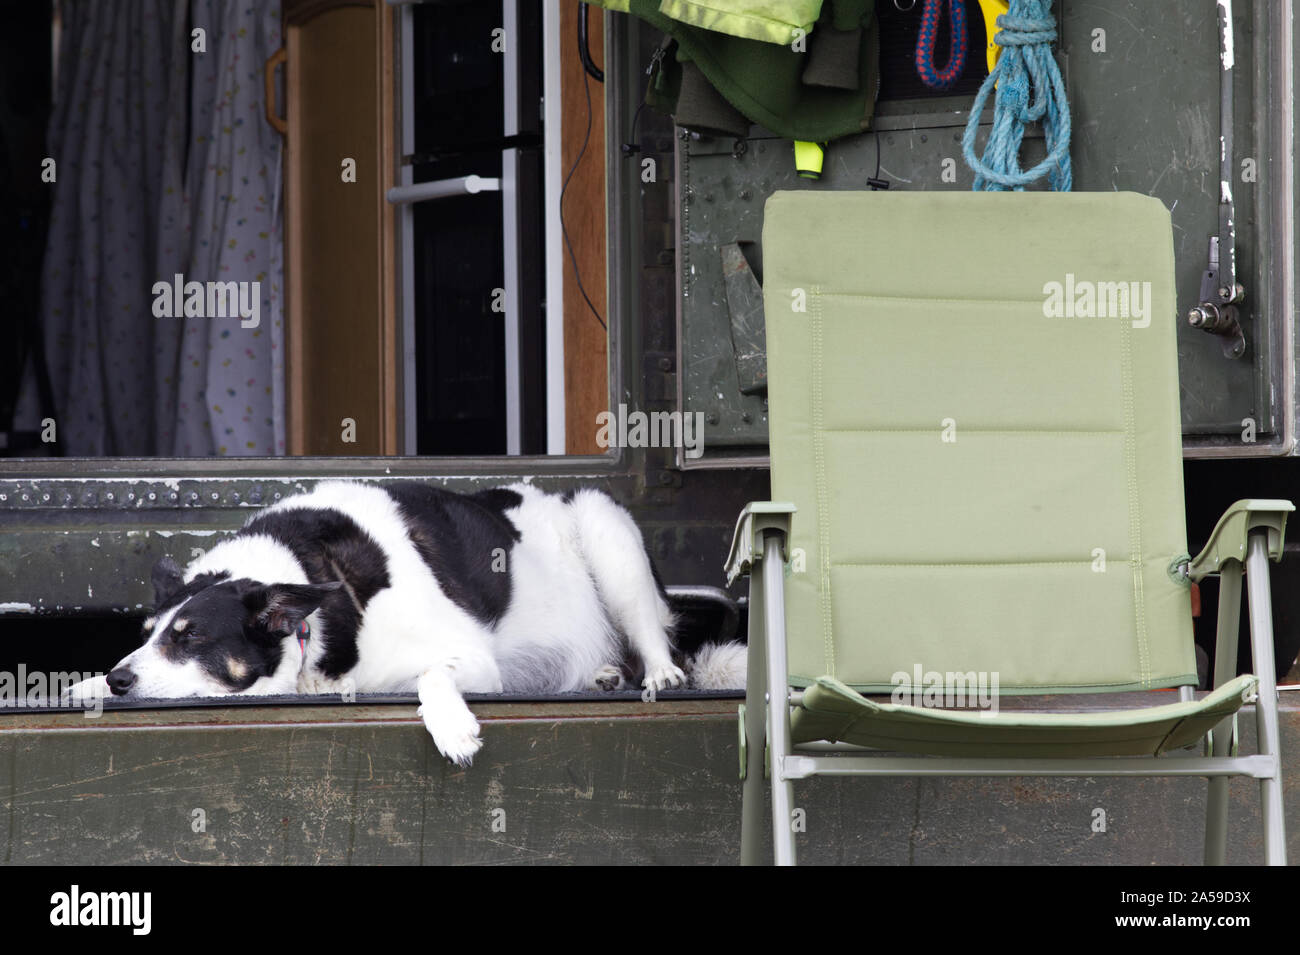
(81, 546)
(625, 783)
(748, 330)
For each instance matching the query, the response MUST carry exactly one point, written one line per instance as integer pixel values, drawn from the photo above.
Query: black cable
(635, 145)
(875, 182)
(584, 48)
(655, 59)
(564, 229)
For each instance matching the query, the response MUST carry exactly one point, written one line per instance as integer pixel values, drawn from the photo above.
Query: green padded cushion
(1037, 544)
(832, 711)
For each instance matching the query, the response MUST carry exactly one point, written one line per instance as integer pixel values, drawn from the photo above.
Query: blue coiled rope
(925, 68)
(1026, 63)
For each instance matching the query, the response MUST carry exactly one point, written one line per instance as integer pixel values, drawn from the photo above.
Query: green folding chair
(974, 421)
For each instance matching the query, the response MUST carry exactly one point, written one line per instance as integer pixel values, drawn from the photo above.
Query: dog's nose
(120, 681)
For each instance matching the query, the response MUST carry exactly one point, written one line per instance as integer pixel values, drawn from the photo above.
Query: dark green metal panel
(80, 546)
(1146, 119)
(1143, 79)
(363, 785)
(625, 783)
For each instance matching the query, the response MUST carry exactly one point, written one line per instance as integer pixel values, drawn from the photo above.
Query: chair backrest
(973, 401)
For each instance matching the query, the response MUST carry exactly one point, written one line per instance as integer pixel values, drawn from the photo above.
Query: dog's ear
(167, 580)
(281, 608)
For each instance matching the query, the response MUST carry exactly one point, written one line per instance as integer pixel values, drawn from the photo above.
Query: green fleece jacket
(780, 81)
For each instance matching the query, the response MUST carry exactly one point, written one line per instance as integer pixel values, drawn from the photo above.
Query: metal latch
(1220, 291)
(1215, 314)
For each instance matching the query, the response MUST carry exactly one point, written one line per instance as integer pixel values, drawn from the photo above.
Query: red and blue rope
(931, 76)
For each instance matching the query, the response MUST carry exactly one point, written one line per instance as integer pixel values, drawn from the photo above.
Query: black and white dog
(407, 587)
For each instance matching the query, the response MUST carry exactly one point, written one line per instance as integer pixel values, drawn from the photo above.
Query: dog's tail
(718, 666)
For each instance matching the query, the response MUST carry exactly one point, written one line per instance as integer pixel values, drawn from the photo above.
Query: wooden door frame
(587, 371)
(296, 14)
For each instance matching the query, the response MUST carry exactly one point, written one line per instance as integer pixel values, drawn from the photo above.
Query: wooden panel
(340, 360)
(586, 362)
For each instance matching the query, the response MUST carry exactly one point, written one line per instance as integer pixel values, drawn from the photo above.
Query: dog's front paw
(84, 693)
(666, 677)
(311, 683)
(608, 677)
(454, 731)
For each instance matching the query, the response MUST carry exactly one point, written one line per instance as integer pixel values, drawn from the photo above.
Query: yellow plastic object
(783, 22)
(992, 9)
(808, 159)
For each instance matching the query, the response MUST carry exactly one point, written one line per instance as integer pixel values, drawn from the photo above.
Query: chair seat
(832, 711)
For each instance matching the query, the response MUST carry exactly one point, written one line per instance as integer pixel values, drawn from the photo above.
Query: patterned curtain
(229, 378)
(166, 166)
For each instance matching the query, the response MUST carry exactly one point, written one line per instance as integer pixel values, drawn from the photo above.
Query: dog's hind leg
(617, 561)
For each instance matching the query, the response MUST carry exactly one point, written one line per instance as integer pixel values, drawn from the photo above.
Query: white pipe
(554, 251)
(441, 189)
(510, 224)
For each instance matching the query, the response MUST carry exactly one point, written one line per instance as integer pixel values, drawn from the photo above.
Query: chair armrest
(746, 544)
(1228, 539)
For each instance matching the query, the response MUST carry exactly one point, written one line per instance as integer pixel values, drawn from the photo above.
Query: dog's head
(214, 635)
